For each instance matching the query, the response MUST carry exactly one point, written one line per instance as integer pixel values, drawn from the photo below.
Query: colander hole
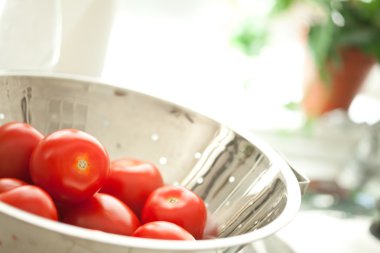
(163, 160)
(155, 137)
(176, 183)
(54, 116)
(200, 180)
(227, 203)
(197, 155)
(106, 123)
(231, 179)
(2, 116)
(240, 226)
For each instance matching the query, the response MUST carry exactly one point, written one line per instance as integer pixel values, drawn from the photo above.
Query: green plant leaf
(251, 38)
(281, 6)
(293, 106)
(321, 44)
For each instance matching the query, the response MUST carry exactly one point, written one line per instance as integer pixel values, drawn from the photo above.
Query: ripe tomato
(163, 230)
(105, 213)
(69, 164)
(7, 184)
(131, 181)
(17, 142)
(31, 198)
(178, 205)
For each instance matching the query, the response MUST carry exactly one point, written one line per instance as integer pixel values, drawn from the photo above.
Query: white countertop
(329, 232)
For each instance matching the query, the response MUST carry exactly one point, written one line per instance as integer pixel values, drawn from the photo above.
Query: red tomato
(31, 198)
(178, 205)
(105, 213)
(163, 230)
(69, 164)
(17, 142)
(131, 181)
(7, 184)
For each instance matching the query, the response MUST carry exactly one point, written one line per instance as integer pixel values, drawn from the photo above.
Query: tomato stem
(172, 200)
(82, 164)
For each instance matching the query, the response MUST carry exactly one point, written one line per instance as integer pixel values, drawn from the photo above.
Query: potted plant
(343, 49)
(343, 46)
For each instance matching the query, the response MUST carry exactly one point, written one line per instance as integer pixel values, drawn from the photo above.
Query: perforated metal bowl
(251, 191)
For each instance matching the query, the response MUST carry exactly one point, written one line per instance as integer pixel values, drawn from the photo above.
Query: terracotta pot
(346, 79)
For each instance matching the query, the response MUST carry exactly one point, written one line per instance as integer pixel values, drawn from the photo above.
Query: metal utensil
(250, 190)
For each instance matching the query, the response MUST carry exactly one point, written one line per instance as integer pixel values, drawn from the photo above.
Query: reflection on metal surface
(247, 187)
(25, 105)
(252, 211)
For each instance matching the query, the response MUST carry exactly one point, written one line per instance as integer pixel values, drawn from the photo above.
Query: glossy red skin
(163, 230)
(33, 199)
(7, 184)
(178, 205)
(105, 213)
(70, 165)
(17, 142)
(131, 181)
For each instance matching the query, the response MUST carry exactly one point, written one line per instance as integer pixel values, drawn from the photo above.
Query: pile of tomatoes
(67, 176)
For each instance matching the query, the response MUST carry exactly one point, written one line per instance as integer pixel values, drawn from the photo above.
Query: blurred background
(301, 74)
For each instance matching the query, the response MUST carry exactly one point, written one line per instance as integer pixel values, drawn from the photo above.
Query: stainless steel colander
(250, 190)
